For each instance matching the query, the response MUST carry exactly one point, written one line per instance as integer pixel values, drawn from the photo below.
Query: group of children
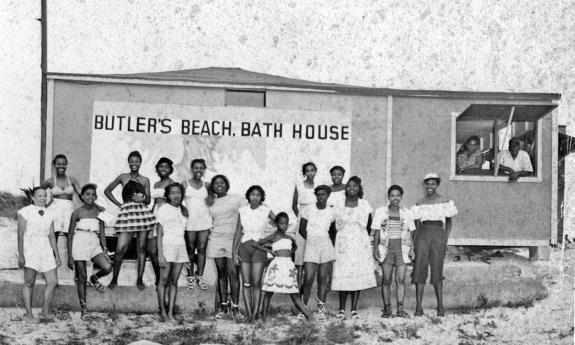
(190, 220)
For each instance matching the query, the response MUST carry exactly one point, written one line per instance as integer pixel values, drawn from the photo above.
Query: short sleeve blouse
(434, 212)
(358, 215)
(318, 221)
(305, 196)
(254, 222)
(38, 220)
(173, 224)
(225, 212)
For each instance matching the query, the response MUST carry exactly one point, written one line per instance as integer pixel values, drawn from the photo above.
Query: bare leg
(323, 280)
(342, 299)
(247, 289)
(310, 274)
(222, 279)
(161, 291)
(387, 270)
(124, 239)
(175, 270)
(354, 300)
(400, 290)
(152, 252)
(141, 249)
(257, 272)
(80, 272)
(300, 274)
(296, 299)
(191, 244)
(27, 291)
(104, 266)
(419, 287)
(439, 296)
(202, 243)
(51, 283)
(266, 303)
(234, 277)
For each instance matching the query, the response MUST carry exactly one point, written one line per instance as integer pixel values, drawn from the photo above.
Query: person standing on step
(432, 216)
(303, 197)
(199, 224)
(87, 242)
(135, 218)
(393, 227)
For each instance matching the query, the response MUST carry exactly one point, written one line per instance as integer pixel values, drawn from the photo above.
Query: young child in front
(87, 242)
(281, 274)
(37, 251)
(172, 254)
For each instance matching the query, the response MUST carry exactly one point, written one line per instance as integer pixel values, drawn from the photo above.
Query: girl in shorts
(281, 274)
(87, 242)
(393, 226)
(315, 225)
(172, 253)
(37, 251)
(251, 228)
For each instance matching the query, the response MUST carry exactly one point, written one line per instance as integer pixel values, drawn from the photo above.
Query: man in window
(515, 161)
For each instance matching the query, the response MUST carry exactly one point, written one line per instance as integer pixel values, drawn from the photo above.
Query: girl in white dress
(172, 254)
(281, 274)
(337, 195)
(353, 270)
(37, 251)
(303, 197)
(199, 224)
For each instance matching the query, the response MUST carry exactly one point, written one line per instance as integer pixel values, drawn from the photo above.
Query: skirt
(62, 210)
(280, 276)
(135, 217)
(220, 245)
(353, 269)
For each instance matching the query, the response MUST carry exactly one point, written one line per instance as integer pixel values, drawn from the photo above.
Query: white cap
(430, 175)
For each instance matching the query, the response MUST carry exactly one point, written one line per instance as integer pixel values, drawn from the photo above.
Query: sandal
(223, 312)
(386, 311)
(191, 285)
(401, 312)
(340, 314)
(202, 283)
(236, 312)
(93, 282)
(418, 312)
(354, 315)
(300, 316)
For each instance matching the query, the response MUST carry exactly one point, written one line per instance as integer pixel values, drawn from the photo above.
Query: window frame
(537, 178)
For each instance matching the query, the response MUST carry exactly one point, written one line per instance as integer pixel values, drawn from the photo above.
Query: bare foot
(164, 317)
(140, 285)
(112, 285)
(28, 317)
(171, 318)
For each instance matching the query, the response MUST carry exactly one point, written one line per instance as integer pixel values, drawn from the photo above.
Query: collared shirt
(38, 220)
(521, 163)
(173, 224)
(254, 222)
(394, 226)
(318, 221)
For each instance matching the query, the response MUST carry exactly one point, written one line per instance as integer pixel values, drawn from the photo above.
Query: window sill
(529, 179)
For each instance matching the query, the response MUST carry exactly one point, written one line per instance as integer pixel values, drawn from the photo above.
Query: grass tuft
(339, 333)
(301, 333)
(195, 335)
(10, 204)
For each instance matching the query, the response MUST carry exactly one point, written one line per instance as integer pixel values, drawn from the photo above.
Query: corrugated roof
(240, 77)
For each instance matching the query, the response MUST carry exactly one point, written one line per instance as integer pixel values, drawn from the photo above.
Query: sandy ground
(549, 321)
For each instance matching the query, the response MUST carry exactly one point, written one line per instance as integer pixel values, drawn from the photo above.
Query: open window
(481, 136)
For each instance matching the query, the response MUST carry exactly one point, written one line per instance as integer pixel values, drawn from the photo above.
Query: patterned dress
(281, 274)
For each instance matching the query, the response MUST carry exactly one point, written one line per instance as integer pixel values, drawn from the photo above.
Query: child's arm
(268, 239)
(265, 249)
(237, 237)
(21, 231)
(70, 240)
(161, 258)
(54, 246)
(110, 188)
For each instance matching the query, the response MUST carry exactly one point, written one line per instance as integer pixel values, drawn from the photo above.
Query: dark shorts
(394, 255)
(430, 248)
(249, 253)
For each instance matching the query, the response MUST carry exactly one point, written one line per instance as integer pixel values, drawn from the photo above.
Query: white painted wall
(516, 46)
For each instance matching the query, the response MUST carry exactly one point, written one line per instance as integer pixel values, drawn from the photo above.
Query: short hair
(337, 167)
(87, 187)
(305, 166)
(472, 138)
(35, 189)
(59, 156)
(280, 216)
(514, 139)
(322, 187)
(395, 187)
(135, 154)
(357, 180)
(259, 189)
(437, 180)
(226, 182)
(200, 161)
(131, 188)
(167, 161)
(172, 185)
